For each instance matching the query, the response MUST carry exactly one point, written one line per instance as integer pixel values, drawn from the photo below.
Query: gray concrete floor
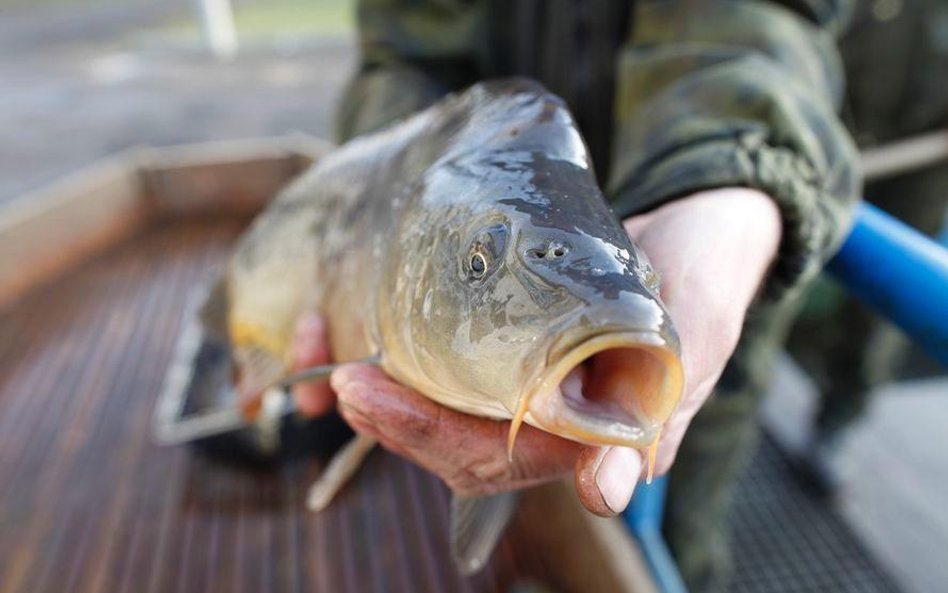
(895, 468)
(67, 101)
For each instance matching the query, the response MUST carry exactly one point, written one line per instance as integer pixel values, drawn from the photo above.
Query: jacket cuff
(814, 223)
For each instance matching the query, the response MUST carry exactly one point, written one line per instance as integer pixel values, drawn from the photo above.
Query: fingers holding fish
(311, 348)
(467, 452)
(606, 478)
(712, 250)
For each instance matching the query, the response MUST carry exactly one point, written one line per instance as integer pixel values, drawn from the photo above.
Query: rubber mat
(785, 540)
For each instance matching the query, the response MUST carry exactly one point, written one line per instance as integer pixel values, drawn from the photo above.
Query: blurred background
(83, 80)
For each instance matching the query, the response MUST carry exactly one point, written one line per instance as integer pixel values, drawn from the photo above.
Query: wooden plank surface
(44, 233)
(88, 503)
(234, 176)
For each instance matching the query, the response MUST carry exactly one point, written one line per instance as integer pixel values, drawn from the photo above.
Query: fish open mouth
(612, 389)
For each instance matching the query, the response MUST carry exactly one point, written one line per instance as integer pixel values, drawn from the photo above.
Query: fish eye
(478, 264)
(485, 252)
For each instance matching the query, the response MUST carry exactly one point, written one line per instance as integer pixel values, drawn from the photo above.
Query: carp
(469, 251)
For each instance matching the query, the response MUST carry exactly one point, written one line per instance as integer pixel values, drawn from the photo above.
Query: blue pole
(900, 273)
(885, 263)
(644, 518)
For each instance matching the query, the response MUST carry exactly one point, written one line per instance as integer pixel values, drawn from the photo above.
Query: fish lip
(548, 409)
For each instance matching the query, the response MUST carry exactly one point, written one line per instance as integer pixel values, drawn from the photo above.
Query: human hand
(712, 250)
(468, 453)
(311, 348)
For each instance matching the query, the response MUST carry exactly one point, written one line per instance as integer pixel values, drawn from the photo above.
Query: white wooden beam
(220, 32)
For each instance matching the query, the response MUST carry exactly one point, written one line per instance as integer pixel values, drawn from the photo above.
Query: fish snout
(613, 389)
(581, 264)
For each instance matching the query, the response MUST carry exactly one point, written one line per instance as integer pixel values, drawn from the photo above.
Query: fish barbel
(470, 249)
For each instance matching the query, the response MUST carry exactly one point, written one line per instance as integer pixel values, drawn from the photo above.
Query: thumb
(606, 478)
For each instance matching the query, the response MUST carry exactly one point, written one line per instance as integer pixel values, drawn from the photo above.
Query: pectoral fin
(337, 474)
(319, 373)
(213, 311)
(476, 526)
(257, 369)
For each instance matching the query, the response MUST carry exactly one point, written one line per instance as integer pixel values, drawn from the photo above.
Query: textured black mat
(785, 540)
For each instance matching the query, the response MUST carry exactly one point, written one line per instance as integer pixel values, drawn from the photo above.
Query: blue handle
(644, 518)
(893, 268)
(900, 273)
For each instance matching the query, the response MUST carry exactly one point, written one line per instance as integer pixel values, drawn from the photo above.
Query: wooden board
(236, 177)
(47, 232)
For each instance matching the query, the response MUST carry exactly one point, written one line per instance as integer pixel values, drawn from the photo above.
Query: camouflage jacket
(896, 57)
(672, 97)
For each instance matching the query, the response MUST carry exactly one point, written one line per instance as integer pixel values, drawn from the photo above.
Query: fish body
(470, 248)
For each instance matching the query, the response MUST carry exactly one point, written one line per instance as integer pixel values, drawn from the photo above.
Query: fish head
(607, 367)
(512, 289)
(525, 298)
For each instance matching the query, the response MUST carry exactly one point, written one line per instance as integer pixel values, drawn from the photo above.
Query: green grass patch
(32, 3)
(294, 17)
(262, 21)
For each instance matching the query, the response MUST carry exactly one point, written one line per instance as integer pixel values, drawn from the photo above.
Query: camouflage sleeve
(412, 53)
(722, 93)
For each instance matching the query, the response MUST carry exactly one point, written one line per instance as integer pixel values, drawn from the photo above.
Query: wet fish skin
(387, 237)
(470, 250)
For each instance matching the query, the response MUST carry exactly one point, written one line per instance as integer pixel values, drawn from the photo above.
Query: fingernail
(340, 378)
(617, 475)
(351, 393)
